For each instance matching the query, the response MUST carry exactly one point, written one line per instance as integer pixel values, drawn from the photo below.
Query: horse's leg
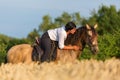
(67, 55)
(60, 55)
(63, 55)
(28, 57)
(75, 55)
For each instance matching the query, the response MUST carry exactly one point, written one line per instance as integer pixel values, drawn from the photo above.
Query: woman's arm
(71, 47)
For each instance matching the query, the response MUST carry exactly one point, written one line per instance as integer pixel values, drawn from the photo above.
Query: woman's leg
(54, 54)
(46, 46)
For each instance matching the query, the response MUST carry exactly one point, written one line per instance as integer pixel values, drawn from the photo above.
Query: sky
(19, 17)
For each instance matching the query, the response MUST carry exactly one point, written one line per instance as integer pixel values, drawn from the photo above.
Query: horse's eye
(89, 36)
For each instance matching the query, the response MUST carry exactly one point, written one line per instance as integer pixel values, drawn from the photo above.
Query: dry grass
(79, 70)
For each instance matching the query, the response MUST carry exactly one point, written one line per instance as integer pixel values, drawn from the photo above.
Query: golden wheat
(78, 70)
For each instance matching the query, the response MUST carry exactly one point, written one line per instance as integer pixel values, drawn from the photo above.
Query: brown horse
(84, 35)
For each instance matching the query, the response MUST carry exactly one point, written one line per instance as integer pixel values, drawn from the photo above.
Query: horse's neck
(82, 36)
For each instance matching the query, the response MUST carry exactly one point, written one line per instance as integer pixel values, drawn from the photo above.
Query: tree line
(107, 18)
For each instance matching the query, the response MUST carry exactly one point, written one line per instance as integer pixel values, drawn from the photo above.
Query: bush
(7, 42)
(109, 46)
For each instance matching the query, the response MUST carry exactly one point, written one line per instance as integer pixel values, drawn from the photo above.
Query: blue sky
(19, 17)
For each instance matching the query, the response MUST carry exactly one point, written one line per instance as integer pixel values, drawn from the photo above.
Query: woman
(54, 38)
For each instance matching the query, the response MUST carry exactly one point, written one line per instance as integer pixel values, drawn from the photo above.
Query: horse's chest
(67, 55)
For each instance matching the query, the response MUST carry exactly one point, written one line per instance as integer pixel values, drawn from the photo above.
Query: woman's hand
(70, 47)
(76, 48)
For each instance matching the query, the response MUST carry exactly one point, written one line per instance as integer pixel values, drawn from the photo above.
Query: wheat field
(77, 70)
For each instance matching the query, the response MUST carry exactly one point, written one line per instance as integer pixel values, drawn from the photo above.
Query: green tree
(108, 19)
(46, 24)
(109, 32)
(31, 36)
(63, 19)
(77, 18)
(3, 45)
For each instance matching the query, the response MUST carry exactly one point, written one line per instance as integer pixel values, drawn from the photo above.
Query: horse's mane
(73, 39)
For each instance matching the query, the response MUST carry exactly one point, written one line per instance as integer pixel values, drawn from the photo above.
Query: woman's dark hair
(70, 26)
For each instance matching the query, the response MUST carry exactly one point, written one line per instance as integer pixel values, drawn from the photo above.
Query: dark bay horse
(84, 35)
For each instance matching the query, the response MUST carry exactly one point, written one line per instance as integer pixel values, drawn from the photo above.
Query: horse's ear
(95, 26)
(87, 26)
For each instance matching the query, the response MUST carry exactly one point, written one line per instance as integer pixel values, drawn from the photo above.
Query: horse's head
(91, 38)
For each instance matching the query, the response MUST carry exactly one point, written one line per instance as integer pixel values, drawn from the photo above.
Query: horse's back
(20, 53)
